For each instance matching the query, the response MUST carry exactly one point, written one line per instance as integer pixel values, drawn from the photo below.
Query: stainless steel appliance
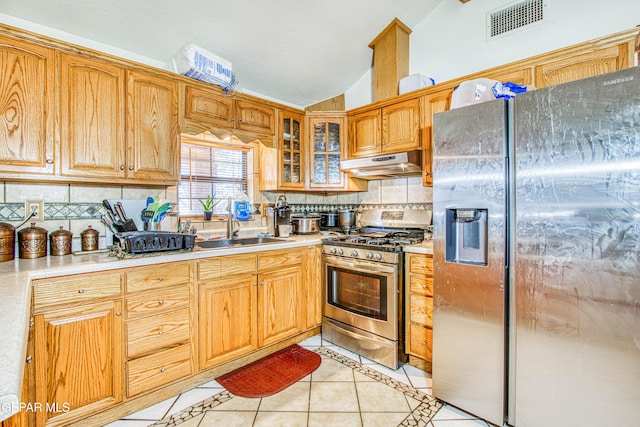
(537, 255)
(280, 214)
(362, 278)
(305, 224)
(408, 163)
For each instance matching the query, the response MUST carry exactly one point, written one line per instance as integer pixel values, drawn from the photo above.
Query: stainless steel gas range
(363, 283)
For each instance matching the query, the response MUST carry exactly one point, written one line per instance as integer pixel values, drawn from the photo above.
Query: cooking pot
(32, 242)
(305, 224)
(7, 241)
(329, 219)
(347, 218)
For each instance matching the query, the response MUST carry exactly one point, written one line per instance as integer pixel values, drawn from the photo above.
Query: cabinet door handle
(162, 370)
(118, 313)
(262, 283)
(130, 168)
(81, 291)
(121, 167)
(424, 286)
(254, 284)
(49, 161)
(161, 332)
(161, 302)
(160, 278)
(28, 359)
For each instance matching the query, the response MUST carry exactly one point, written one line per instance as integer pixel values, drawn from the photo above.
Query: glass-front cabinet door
(326, 149)
(291, 151)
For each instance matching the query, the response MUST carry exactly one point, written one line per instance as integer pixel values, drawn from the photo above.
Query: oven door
(362, 294)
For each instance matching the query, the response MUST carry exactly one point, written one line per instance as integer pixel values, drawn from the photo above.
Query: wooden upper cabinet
(401, 126)
(326, 148)
(208, 108)
(291, 154)
(433, 103)
(153, 144)
(574, 67)
(364, 133)
(27, 107)
(92, 117)
(254, 117)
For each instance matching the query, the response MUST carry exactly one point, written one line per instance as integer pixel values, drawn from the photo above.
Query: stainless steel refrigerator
(536, 212)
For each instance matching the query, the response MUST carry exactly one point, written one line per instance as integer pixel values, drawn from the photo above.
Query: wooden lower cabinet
(419, 303)
(78, 361)
(279, 305)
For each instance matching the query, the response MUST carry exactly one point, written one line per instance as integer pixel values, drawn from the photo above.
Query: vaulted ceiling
(299, 52)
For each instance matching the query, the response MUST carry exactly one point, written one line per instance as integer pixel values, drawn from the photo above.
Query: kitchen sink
(243, 241)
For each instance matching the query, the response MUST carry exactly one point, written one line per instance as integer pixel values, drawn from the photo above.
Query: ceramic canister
(60, 242)
(7, 241)
(32, 242)
(89, 238)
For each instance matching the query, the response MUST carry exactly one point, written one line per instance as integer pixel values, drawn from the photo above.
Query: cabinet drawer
(420, 284)
(419, 263)
(152, 371)
(158, 301)
(278, 259)
(420, 341)
(154, 333)
(216, 268)
(421, 310)
(158, 276)
(75, 289)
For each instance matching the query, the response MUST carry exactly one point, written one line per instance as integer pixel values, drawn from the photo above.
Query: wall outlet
(34, 205)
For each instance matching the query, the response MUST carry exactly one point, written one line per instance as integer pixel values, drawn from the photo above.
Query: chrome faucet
(229, 220)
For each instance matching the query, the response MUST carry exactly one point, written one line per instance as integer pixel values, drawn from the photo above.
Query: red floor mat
(271, 374)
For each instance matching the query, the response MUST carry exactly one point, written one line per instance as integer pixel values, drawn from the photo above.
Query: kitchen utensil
(160, 211)
(329, 219)
(60, 242)
(305, 224)
(32, 242)
(346, 218)
(109, 223)
(89, 238)
(147, 215)
(127, 224)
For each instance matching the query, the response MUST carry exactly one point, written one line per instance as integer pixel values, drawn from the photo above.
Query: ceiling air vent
(514, 17)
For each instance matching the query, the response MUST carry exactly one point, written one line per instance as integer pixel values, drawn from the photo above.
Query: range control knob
(369, 255)
(354, 253)
(377, 257)
(340, 252)
(332, 250)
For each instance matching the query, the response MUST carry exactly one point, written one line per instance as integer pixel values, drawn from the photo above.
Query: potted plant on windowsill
(208, 204)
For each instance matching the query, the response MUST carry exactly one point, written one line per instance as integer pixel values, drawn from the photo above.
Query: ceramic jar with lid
(32, 242)
(7, 241)
(60, 242)
(89, 239)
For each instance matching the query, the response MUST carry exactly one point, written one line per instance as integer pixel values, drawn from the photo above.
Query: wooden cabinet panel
(420, 264)
(207, 107)
(228, 319)
(279, 305)
(75, 289)
(326, 148)
(156, 276)
(420, 284)
(150, 334)
(92, 112)
(155, 370)
(160, 300)
(254, 117)
(27, 107)
(401, 126)
(291, 151)
(152, 128)
(78, 356)
(421, 310)
(312, 287)
(365, 131)
(268, 260)
(433, 103)
(216, 268)
(421, 343)
(575, 67)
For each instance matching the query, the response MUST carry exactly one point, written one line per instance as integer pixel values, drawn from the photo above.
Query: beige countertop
(15, 302)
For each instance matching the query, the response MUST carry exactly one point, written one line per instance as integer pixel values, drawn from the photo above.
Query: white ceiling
(297, 51)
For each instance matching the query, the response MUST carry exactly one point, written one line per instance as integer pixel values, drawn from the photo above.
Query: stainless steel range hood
(384, 166)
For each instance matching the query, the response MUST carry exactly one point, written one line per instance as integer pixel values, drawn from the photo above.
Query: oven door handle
(370, 266)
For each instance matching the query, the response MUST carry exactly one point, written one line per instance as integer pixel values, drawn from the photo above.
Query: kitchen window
(208, 168)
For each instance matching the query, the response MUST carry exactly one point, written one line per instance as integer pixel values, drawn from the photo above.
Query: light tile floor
(341, 392)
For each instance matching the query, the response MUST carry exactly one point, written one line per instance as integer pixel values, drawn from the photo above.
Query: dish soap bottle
(242, 207)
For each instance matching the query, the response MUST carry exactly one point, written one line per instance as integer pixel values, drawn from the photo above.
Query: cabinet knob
(161, 369)
(49, 161)
(118, 313)
(28, 359)
(262, 283)
(161, 332)
(81, 291)
(121, 167)
(424, 312)
(424, 286)
(424, 343)
(161, 302)
(254, 284)
(426, 173)
(130, 168)
(161, 278)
